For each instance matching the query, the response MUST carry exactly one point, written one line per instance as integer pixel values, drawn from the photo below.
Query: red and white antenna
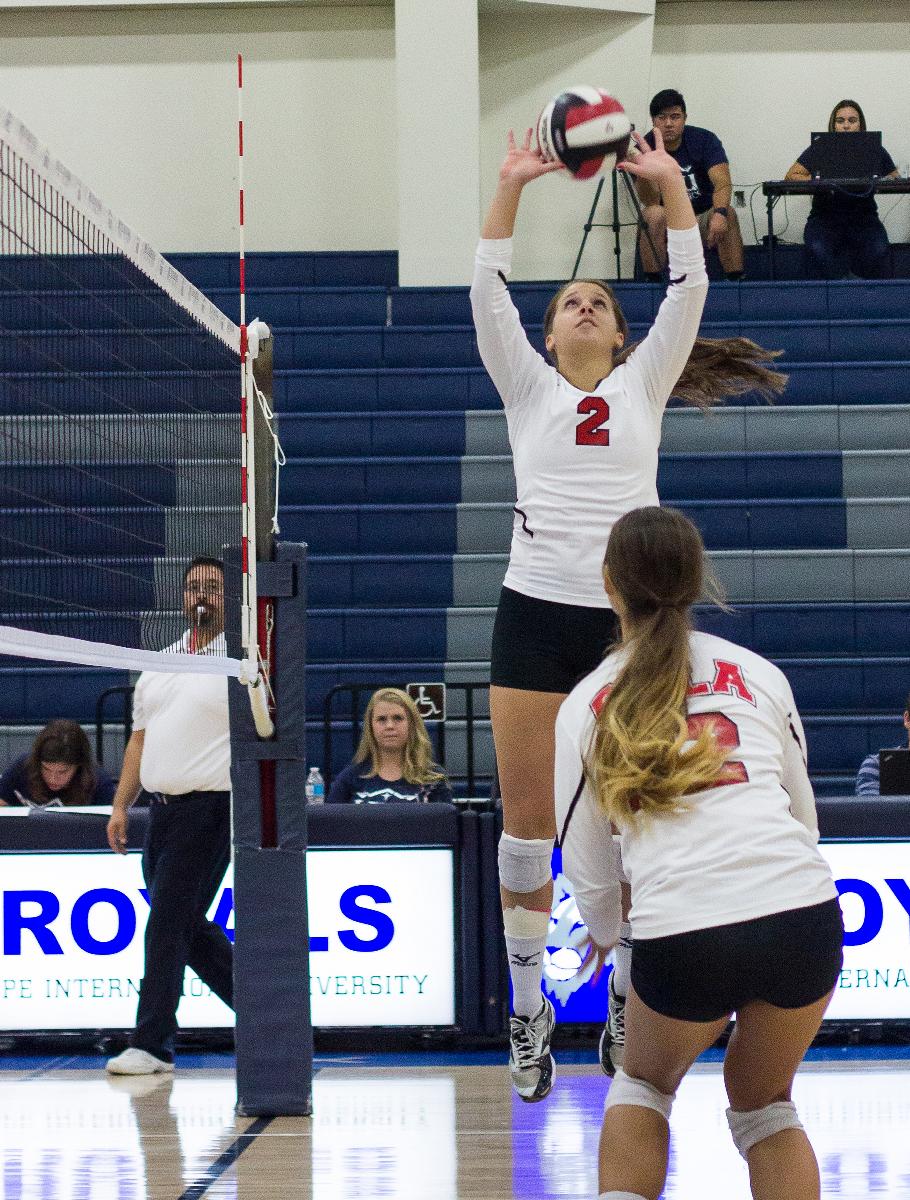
(255, 681)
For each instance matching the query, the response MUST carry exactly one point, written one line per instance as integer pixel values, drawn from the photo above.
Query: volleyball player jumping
(584, 430)
(692, 748)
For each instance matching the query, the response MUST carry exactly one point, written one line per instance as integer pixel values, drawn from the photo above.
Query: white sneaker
(613, 1039)
(531, 1064)
(134, 1061)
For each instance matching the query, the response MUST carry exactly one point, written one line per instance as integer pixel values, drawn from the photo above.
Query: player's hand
(717, 227)
(656, 166)
(522, 164)
(592, 955)
(116, 831)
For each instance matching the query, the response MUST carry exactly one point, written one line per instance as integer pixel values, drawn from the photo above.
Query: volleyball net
(127, 436)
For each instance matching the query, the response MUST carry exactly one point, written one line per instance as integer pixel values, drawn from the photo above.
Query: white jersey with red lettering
(581, 459)
(741, 850)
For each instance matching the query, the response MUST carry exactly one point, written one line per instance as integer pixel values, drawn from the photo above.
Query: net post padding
(274, 1034)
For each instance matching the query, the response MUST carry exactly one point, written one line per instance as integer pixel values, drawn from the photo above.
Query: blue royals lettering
(36, 913)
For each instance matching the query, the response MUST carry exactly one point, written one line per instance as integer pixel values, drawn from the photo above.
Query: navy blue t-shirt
(842, 203)
(352, 787)
(699, 150)
(14, 787)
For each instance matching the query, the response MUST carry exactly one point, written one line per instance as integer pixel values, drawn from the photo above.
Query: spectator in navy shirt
(394, 761)
(706, 170)
(867, 783)
(59, 771)
(843, 233)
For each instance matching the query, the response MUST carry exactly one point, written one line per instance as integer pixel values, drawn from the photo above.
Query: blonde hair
(717, 368)
(642, 759)
(417, 757)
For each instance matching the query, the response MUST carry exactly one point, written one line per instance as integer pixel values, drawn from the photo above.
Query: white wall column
(438, 107)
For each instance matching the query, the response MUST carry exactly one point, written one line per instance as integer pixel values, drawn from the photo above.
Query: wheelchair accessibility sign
(430, 699)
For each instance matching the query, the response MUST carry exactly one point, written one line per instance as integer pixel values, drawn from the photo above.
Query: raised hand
(522, 164)
(656, 166)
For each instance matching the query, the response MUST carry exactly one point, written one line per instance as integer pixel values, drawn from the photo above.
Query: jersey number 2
(727, 736)
(591, 431)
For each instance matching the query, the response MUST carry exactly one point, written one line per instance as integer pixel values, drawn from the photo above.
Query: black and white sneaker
(613, 1038)
(531, 1064)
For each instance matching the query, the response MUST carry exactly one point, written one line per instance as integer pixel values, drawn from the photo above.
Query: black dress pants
(187, 850)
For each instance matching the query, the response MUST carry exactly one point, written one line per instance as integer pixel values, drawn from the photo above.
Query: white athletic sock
(526, 968)
(621, 1196)
(622, 961)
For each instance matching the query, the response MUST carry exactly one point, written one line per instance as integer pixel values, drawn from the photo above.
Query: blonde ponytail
(641, 759)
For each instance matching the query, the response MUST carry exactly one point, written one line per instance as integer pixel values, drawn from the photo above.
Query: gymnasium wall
(764, 75)
(141, 103)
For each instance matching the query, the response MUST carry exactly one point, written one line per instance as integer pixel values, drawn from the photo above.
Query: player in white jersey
(691, 749)
(585, 431)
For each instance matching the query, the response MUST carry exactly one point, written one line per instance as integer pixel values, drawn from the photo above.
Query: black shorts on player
(789, 959)
(545, 646)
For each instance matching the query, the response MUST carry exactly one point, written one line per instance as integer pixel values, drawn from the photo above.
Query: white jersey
(741, 850)
(581, 459)
(187, 745)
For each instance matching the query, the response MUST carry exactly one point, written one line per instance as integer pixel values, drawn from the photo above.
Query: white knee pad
(626, 1090)
(524, 863)
(750, 1128)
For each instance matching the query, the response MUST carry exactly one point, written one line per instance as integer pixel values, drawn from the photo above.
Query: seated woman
(843, 233)
(394, 761)
(59, 771)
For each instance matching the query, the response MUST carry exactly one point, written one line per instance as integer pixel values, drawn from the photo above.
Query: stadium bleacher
(399, 478)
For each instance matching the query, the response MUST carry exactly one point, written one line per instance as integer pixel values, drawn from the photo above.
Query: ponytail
(719, 368)
(641, 758)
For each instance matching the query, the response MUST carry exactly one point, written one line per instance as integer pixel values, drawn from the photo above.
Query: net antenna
(257, 652)
(120, 460)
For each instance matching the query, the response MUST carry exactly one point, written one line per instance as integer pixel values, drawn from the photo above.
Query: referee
(179, 751)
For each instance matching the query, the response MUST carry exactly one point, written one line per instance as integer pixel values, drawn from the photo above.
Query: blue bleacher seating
(373, 382)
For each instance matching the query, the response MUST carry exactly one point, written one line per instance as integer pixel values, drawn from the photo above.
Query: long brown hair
(717, 368)
(417, 756)
(846, 104)
(642, 759)
(62, 742)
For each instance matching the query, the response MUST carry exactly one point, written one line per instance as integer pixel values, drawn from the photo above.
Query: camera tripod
(616, 224)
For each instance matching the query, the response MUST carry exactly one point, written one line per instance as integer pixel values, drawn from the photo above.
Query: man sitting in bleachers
(867, 783)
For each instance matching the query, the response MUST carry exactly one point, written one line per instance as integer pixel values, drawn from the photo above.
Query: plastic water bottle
(315, 787)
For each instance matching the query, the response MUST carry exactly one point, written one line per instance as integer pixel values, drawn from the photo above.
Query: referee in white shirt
(179, 751)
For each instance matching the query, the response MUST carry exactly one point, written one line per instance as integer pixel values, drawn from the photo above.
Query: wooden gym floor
(422, 1126)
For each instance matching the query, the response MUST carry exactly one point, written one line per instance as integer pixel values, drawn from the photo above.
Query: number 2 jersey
(741, 850)
(581, 459)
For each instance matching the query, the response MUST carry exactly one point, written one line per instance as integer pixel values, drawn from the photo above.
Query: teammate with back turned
(585, 430)
(692, 749)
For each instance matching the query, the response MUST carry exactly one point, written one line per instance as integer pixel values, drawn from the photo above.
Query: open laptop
(893, 767)
(845, 155)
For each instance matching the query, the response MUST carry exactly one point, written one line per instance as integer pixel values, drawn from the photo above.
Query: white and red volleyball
(581, 127)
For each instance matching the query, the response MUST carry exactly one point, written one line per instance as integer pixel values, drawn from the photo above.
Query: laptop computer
(845, 155)
(893, 769)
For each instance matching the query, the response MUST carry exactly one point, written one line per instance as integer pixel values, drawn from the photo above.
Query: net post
(271, 940)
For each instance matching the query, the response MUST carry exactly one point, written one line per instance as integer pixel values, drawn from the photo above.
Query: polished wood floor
(411, 1128)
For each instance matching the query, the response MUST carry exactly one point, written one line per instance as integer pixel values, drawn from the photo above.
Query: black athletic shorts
(544, 646)
(789, 959)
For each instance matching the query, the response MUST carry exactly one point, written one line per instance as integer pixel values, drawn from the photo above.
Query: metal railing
(127, 694)
(356, 690)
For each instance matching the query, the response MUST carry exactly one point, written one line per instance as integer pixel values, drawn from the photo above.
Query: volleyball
(581, 127)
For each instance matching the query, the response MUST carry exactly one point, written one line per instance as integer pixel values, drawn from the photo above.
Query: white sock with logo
(622, 961)
(526, 939)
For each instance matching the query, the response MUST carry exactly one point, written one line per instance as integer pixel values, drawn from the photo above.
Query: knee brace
(524, 863)
(626, 1090)
(750, 1128)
